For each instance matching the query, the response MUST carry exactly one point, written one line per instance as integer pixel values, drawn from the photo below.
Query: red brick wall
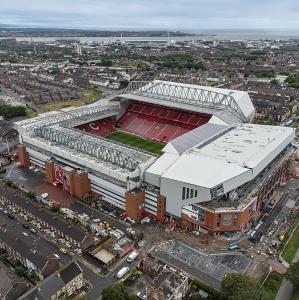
(50, 172)
(23, 156)
(161, 205)
(81, 185)
(133, 205)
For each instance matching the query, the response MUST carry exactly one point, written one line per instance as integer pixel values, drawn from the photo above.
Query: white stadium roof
(229, 105)
(242, 151)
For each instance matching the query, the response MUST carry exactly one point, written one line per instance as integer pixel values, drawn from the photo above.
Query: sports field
(135, 141)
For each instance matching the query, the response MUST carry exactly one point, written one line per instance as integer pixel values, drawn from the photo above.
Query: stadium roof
(54, 132)
(243, 151)
(81, 114)
(200, 135)
(233, 106)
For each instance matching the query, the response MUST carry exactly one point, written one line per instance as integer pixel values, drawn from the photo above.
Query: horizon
(182, 15)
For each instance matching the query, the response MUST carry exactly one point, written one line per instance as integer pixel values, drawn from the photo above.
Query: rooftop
(237, 104)
(53, 283)
(223, 153)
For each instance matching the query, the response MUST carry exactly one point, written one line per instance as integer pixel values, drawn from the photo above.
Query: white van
(132, 256)
(122, 272)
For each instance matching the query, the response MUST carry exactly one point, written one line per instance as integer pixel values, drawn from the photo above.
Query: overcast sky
(152, 14)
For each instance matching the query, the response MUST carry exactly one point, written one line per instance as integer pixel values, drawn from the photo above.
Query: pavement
(209, 268)
(286, 289)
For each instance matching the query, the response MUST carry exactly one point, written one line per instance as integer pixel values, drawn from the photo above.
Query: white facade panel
(172, 190)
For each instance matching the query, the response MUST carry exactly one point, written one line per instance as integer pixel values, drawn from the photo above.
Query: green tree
(293, 274)
(116, 292)
(132, 296)
(252, 293)
(19, 270)
(196, 297)
(9, 111)
(234, 284)
(123, 83)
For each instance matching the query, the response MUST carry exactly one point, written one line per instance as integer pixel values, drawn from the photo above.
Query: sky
(152, 14)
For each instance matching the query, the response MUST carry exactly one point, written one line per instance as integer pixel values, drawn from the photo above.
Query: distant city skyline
(155, 14)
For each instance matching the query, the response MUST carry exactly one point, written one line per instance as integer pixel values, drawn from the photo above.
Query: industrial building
(217, 171)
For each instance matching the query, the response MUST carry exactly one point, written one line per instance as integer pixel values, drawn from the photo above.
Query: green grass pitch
(135, 141)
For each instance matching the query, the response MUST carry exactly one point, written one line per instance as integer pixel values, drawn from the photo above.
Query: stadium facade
(217, 172)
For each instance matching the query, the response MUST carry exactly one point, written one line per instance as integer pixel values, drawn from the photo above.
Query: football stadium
(175, 152)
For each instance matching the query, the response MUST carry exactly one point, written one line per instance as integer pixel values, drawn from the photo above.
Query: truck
(122, 272)
(132, 256)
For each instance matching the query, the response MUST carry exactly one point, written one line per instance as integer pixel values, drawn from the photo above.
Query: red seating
(99, 127)
(159, 123)
(149, 121)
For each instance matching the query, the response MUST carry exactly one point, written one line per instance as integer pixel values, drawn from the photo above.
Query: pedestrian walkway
(286, 289)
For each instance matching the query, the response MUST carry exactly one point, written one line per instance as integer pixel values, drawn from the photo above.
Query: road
(286, 289)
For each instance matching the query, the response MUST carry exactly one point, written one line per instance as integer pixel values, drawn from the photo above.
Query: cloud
(151, 14)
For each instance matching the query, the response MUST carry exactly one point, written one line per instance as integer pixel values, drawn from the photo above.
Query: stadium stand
(159, 123)
(100, 127)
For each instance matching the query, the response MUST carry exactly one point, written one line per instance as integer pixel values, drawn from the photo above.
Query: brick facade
(135, 204)
(81, 185)
(50, 172)
(23, 156)
(161, 206)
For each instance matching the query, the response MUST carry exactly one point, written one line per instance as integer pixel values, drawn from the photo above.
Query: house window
(195, 192)
(191, 193)
(187, 197)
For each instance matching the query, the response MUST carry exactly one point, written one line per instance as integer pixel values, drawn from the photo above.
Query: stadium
(178, 153)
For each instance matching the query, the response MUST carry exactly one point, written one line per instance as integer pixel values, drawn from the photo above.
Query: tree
(123, 84)
(252, 293)
(116, 292)
(234, 284)
(293, 274)
(196, 297)
(19, 270)
(132, 296)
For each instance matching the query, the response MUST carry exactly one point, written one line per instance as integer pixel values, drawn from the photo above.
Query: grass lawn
(31, 113)
(89, 96)
(292, 246)
(273, 283)
(295, 295)
(296, 124)
(136, 141)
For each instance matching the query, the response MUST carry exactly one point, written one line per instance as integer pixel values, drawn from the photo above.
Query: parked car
(63, 250)
(26, 226)
(141, 296)
(122, 272)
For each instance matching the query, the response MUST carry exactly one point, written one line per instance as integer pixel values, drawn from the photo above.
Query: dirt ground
(56, 194)
(155, 233)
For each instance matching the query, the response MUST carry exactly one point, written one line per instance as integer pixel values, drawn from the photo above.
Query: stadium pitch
(135, 141)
